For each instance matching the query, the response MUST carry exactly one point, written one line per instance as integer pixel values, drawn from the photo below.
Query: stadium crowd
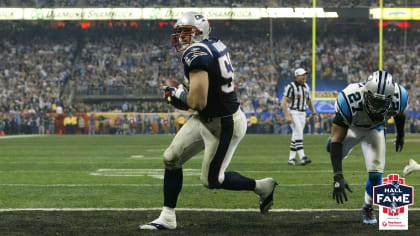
(202, 3)
(112, 66)
(33, 72)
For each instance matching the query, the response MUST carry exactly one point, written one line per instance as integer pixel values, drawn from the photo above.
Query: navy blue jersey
(212, 56)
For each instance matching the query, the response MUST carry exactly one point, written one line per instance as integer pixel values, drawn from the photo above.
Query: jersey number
(226, 70)
(354, 98)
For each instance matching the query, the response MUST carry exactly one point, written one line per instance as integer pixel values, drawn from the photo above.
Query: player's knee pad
(171, 156)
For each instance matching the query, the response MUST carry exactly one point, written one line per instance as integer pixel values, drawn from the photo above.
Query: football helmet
(379, 89)
(191, 27)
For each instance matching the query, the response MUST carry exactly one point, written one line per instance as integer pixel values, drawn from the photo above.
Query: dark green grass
(195, 223)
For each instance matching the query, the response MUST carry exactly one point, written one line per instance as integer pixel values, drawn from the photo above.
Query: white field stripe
(184, 209)
(21, 136)
(137, 156)
(145, 157)
(149, 185)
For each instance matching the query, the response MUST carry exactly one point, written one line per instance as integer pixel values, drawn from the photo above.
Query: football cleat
(410, 167)
(165, 221)
(266, 196)
(369, 216)
(305, 160)
(153, 226)
(292, 162)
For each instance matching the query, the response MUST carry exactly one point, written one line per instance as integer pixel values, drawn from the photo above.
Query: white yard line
(22, 136)
(149, 185)
(184, 209)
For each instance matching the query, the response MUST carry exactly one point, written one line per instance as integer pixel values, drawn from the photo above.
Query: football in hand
(172, 100)
(171, 83)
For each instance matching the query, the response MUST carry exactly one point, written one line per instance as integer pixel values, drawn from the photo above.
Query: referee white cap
(300, 71)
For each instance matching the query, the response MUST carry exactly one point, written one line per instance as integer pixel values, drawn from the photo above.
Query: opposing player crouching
(361, 112)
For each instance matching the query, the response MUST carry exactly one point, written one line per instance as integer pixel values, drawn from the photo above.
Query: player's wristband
(183, 97)
(181, 94)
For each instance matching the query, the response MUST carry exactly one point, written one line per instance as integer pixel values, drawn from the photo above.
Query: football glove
(176, 96)
(340, 186)
(399, 143)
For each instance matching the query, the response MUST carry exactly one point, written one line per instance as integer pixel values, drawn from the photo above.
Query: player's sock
(301, 153)
(368, 199)
(168, 213)
(375, 178)
(235, 181)
(292, 154)
(263, 187)
(172, 185)
(166, 220)
(299, 148)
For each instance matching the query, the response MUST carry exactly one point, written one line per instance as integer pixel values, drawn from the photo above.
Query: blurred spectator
(92, 124)
(82, 124)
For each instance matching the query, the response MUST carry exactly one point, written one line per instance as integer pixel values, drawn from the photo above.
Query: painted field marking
(183, 209)
(154, 173)
(145, 157)
(159, 173)
(200, 156)
(147, 185)
(137, 156)
(21, 136)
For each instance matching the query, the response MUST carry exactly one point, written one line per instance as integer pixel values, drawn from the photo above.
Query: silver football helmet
(191, 27)
(379, 89)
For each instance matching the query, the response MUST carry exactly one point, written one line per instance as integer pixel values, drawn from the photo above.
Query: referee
(295, 99)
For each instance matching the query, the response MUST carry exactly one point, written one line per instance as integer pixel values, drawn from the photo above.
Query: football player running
(362, 110)
(217, 127)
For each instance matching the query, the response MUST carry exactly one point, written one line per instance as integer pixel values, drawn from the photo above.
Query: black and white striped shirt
(298, 95)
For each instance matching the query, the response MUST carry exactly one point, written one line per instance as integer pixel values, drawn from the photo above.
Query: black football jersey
(212, 56)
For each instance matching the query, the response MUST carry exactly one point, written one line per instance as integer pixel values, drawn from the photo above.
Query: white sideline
(184, 209)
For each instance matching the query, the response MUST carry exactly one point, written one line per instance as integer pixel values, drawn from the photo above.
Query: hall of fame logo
(393, 199)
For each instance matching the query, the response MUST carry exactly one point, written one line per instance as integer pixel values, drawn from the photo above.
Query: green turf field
(127, 171)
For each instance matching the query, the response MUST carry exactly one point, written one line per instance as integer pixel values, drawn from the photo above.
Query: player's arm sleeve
(197, 58)
(343, 116)
(399, 123)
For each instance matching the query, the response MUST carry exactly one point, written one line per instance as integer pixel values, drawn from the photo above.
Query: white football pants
(219, 138)
(298, 124)
(373, 146)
